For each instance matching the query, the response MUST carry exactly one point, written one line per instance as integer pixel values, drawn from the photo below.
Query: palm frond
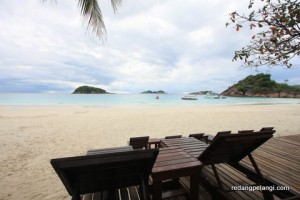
(115, 4)
(91, 11)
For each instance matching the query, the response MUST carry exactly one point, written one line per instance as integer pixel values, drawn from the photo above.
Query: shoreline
(153, 105)
(131, 100)
(32, 135)
(56, 110)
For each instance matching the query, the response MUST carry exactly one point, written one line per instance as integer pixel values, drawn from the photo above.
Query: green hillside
(89, 90)
(261, 85)
(154, 92)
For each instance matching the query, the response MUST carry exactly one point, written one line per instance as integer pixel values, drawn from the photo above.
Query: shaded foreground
(180, 157)
(31, 136)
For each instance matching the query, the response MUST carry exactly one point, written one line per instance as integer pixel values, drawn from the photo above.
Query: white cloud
(174, 45)
(202, 35)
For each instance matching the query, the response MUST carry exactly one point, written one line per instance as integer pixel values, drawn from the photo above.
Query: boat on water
(214, 96)
(189, 98)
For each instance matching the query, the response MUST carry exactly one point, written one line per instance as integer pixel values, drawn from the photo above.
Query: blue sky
(177, 46)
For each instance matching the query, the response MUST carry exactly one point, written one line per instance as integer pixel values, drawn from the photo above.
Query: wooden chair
(231, 148)
(210, 138)
(106, 172)
(266, 129)
(109, 150)
(198, 136)
(245, 131)
(173, 136)
(223, 132)
(139, 142)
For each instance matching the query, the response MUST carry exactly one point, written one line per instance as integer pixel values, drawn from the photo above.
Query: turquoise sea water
(128, 100)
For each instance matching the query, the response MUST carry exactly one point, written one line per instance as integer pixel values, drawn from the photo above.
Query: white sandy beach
(31, 136)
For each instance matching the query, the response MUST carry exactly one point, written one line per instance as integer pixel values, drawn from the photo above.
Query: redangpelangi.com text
(252, 188)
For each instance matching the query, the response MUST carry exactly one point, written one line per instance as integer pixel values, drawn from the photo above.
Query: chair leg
(217, 176)
(76, 197)
(267, 194)
(144, 189)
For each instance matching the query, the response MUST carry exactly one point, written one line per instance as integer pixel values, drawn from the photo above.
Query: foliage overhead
(89, 90)
(92, 15)
(277, 33)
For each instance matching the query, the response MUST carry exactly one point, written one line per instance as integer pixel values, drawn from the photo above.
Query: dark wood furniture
(172, 163)
(139, 142)
(279, 162)
(154, 141)
(173, 136)
(109, 150)
(231, 148)
(266, 129)
(198, 136)
(211, 137)
(245, 131)
(227, 148)
(106, 172)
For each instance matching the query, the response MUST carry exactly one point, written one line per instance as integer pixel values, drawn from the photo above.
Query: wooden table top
(174, 162)
(191, 145)
(153, 140)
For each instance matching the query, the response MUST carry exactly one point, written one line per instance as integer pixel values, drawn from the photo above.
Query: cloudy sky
(173, 45)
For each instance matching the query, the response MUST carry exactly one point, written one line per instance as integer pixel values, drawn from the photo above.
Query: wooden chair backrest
(93, 173)
(139, 142)
(245, 131)
(173, 136)
(231, 148)
(223, 132)
(266, 129)
(198, 136)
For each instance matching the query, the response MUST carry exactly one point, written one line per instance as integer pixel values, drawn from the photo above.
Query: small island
(201, 92)
(89, 90)
(154, 92)
(261, 85)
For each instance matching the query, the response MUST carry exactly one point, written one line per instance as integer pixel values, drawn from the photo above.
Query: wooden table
(191, 145)
(172, 163)
(154, 141)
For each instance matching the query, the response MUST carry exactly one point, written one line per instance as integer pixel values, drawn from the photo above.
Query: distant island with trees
(201, 92)
(154, 92)
(261, 85)
(89, 90)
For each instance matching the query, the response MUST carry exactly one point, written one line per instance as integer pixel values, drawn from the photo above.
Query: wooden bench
(106, 172)
(173, 136)
(139, 142)
(109, 150)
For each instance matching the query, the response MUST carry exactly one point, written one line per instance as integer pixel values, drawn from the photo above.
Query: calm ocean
(128, 100)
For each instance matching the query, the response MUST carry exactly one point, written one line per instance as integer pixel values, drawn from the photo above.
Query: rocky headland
(261, 85)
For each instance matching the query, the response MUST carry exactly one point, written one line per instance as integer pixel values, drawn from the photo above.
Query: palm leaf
(90, 11)
(115, 4)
